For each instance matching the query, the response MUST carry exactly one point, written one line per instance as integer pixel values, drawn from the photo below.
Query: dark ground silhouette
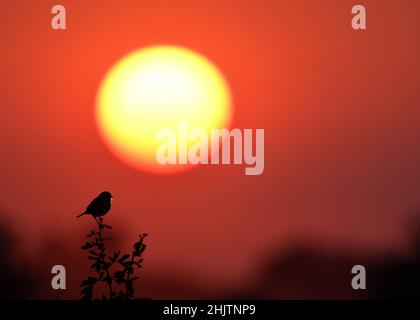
(16, 276)
(307, 272)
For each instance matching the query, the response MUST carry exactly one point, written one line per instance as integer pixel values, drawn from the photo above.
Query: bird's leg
(99, 221)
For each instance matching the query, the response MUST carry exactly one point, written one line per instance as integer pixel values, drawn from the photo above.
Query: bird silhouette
(99, 206)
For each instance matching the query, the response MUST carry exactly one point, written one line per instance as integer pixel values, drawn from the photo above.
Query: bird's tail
(81, 215)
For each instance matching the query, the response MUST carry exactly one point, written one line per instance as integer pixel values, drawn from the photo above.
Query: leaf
(115, 256)
(90, 234)
(96, 266)
(130, 270)
(90, 281)
(86, 246)
(87, 290)
(123, 258)
(87, 293)
(119, 276)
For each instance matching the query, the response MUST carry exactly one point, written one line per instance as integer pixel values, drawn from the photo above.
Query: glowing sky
(340, 110)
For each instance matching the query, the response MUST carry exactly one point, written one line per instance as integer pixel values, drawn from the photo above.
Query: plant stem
(129, 276)
(102, 255)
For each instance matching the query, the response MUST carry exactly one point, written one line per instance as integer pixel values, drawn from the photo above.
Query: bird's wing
(92, 206)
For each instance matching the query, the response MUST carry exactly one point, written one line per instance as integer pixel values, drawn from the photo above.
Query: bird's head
(106, 195)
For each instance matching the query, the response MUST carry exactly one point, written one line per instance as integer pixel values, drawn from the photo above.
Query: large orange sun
(154, 88)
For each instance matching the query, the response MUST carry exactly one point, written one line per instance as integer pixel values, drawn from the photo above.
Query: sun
(159, 87)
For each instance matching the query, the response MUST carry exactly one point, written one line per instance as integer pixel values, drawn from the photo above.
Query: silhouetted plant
(116, 270)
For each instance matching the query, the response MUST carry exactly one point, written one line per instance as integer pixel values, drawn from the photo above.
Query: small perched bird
(99, 206)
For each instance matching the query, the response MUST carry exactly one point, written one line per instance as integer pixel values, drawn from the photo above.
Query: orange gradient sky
(340, 110)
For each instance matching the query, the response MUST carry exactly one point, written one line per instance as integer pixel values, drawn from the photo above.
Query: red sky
(340, 109)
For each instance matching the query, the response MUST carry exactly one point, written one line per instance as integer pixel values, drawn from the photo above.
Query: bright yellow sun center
(158, 88)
